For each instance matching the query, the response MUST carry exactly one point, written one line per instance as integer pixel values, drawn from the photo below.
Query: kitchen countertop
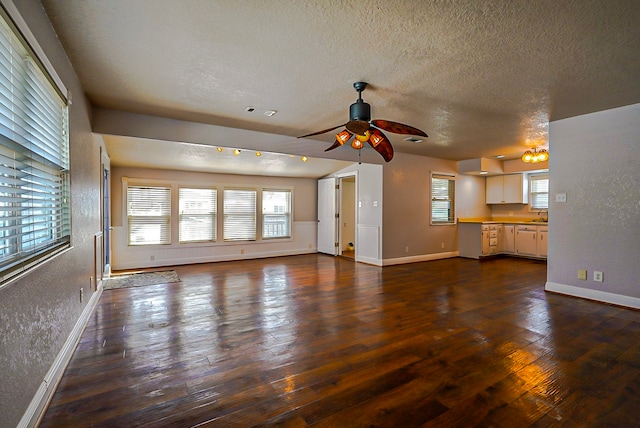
(501, 221)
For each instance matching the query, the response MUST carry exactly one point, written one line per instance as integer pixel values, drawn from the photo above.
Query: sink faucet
(546, 212)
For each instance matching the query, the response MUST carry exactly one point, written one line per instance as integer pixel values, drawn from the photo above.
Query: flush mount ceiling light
(535, 155)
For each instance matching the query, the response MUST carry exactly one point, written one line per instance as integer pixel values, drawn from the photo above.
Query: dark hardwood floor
(315, 340)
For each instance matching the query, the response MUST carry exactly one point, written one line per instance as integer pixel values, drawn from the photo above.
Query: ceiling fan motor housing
(359, 117)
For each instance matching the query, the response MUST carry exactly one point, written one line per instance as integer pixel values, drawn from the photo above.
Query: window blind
(276, 214)
(442, 198)
(34, 158)
(198, 213)
(239, 215)
(149, 215)
(539, 191)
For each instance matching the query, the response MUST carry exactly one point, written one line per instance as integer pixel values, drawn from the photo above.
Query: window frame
(34, 170)
(168, 217)
(537, 177)
(451, 218)
(211, 214)
(288, 213)
(252, 236)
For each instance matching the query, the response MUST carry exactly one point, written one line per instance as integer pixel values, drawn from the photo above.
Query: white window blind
(149, 215)
(239, 215)
(276, 214)
(442, 199)
(198, 212)
(34, 159)
(539, 191)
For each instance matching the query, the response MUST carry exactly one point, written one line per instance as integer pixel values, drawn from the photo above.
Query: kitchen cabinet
(489, 239)
(508, 239)
(542, 241)
(477, 240)
(507, 189)
(526, 241)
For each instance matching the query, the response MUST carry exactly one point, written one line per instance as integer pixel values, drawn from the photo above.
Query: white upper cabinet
(507, 189)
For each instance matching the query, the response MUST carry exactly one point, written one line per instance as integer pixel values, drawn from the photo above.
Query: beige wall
(39, 310)
(406, 209)
(303, 228)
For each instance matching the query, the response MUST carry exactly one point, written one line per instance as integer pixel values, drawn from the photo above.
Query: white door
(327, 219)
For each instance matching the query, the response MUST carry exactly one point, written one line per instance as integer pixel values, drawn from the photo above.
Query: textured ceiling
(482, 78)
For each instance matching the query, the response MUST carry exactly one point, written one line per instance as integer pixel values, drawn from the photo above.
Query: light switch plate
(561, 197)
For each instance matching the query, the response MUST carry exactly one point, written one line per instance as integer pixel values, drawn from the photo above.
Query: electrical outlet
(598, 276)
(406, 249)
(442, 245)
(241, 250)
(582, 274)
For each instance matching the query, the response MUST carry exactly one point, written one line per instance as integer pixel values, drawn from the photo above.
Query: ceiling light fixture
(219, 149)
(304, 158)
(535, 155)
(258, 153)
(236, 152)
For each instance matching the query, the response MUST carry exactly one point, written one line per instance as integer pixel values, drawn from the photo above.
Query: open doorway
(347, 216)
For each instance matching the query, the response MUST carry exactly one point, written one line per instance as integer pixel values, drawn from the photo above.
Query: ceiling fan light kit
(366, 130)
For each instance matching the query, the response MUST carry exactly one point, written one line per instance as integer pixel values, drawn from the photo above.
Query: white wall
(595, 160)
(369, 210)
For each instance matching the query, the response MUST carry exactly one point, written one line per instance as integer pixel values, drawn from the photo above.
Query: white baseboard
(420, 258)
(369, 261)
(600, 296)
(40, 401)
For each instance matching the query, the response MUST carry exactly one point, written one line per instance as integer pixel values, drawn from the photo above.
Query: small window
(149, 215)
(239, 215)
(198, 214)
(443, 199)
(539, 191)
(276, 214)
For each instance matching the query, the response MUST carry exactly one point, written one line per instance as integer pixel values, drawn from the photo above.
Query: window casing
(276, 214)
(239, 210)
(35, 218)
(149, 215)
(443, 199)
(539, 192)
(198, 215)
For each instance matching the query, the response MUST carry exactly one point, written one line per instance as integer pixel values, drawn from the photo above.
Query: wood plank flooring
(323, 341)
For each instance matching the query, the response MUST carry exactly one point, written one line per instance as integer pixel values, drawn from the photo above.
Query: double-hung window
(198, 214)
(149, 215)
(443, 188)
(539, 191)
(34, 159)
(276, 214)
(239, 215)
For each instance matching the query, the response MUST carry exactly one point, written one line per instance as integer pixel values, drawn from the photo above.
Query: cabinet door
(495, 190)
(542, 242)
(514, 192)
(526, 242)
(508, 241)
(485, 243)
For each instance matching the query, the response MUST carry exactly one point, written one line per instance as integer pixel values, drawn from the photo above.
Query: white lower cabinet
(526, 240)
(508, 239)
(543, 234)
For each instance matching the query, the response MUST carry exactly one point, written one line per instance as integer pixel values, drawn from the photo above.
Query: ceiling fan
(366, 130)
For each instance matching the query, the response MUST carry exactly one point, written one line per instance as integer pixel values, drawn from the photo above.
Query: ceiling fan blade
(335, 145)
(323, 131)
(397, 128)
(381, 144)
